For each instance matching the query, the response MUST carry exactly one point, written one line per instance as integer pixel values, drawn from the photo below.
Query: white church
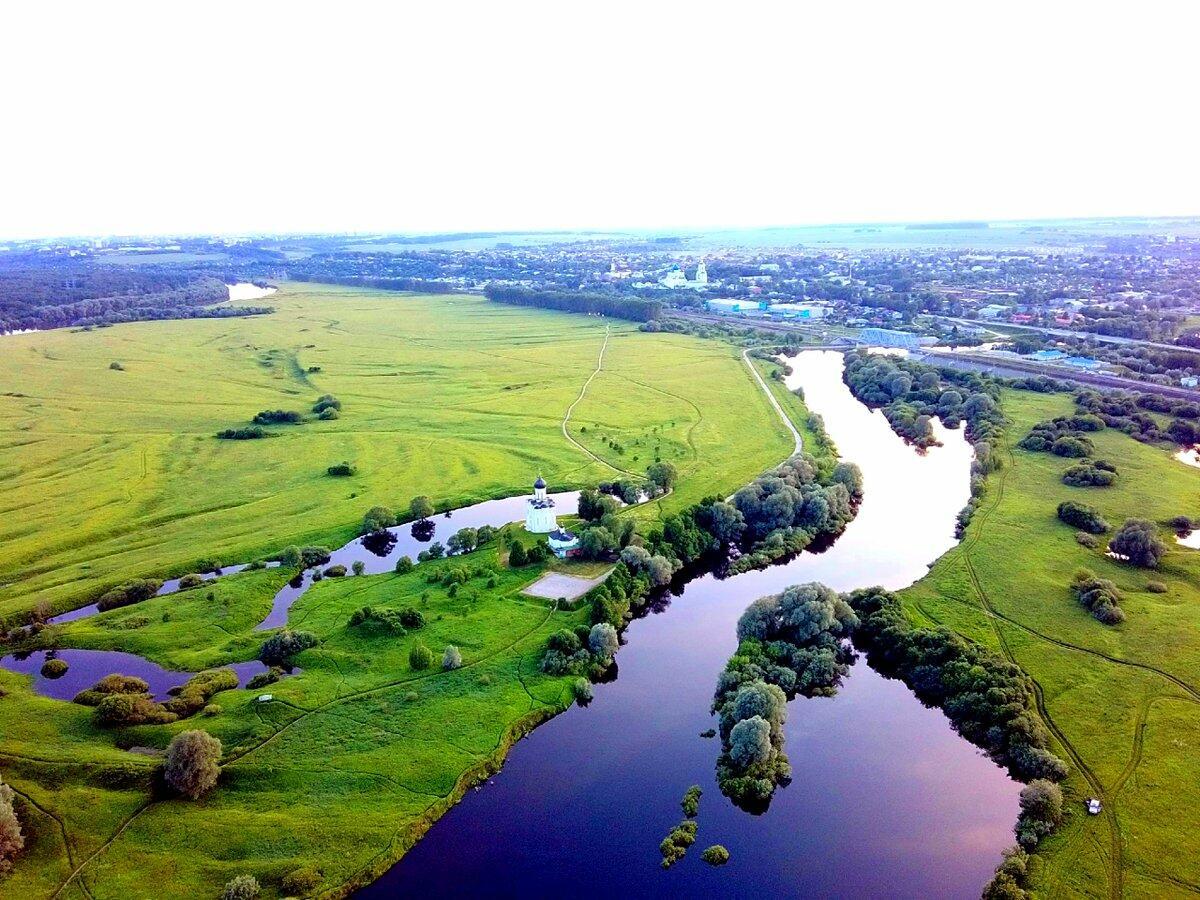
(540, 519)
(675, 277)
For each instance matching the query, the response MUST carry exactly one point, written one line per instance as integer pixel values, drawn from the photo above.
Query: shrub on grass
(516, 556)
(404, 565)
(342, 470)
(716, 855)
(249, 433)
(420, 657)
(327, 401)
(328, 415)
(244, 887)
(191, 765)
(1099, 596)
(290, 558)
(131, 709)
(358, 567)
(278, 417)
(1156, 587)
(1086, 540)
(451, 658)
(338, 571)
(1071, 447)
(128, 594)
(1088, 476)
(190, 581)
(314, 556)
(54, 668)
(12, 840)
(1082, 516)
(262, 679)
(1137, 540)
(116, 367)
(301, 882)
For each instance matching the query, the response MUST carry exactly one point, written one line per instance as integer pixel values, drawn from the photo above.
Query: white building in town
(675, 277)
(539, 510)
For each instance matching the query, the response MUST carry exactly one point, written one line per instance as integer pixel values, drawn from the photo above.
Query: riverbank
(1122, 701)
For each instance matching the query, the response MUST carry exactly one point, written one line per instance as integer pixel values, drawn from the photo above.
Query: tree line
(635, 309)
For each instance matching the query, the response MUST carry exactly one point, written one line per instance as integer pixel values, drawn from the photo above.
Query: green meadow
(107, 475)
(111, 474)
(356, 755)
(1123, 701)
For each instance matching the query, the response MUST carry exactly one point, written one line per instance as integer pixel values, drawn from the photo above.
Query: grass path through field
(575, 402)
(775, 403)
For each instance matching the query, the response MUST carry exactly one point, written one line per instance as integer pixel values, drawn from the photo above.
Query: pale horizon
(139, 119)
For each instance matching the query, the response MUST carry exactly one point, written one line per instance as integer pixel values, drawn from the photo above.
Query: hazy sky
(233, 117)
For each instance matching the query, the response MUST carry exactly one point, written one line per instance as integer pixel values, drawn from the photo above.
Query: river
(886, 800)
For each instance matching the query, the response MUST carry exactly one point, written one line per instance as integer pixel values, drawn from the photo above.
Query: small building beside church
(563, 543)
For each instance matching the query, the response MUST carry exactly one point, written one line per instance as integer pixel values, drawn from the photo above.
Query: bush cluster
(247, 433)
(790, 643)
(278, 417)
(1138, 541)
(128, 594)
(327, 402)
(989, 700)
(1081, 516)
(279, 649)
(1097, 473)
(675, 845)
(394, 621)
(1099, 596)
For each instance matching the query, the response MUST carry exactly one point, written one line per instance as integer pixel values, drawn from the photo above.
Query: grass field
(1124, 701)
(341, 772)
(107, 475)
(112, 474)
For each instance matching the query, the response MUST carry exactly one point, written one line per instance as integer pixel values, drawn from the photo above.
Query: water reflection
(886, 800)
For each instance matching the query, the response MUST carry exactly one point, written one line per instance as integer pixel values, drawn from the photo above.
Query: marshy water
(89, 666)
(886, 800)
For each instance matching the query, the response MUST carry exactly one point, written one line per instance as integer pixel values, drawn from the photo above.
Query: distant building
(722, 307)
(675, 278)
(992, 311)
(1189, 381)
(799, 310)
(887, 337)
(539, 510)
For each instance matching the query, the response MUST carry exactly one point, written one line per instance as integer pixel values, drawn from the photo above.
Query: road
(1067, 333)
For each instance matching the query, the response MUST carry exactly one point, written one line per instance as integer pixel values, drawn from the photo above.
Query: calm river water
(886, 801)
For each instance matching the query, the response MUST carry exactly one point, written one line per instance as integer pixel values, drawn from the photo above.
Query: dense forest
(60, 291)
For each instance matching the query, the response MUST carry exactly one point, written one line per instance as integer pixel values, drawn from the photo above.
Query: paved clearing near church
(553, 585)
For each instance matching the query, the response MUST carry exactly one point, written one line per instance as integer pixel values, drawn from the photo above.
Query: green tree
(404, 565)
(378, 518)
(1137, 540)
(12, 841)
(420, 657)
(421, 507)
(192, 763)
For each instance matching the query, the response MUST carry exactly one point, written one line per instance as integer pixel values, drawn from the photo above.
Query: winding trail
(571, 409)
(775, 403)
